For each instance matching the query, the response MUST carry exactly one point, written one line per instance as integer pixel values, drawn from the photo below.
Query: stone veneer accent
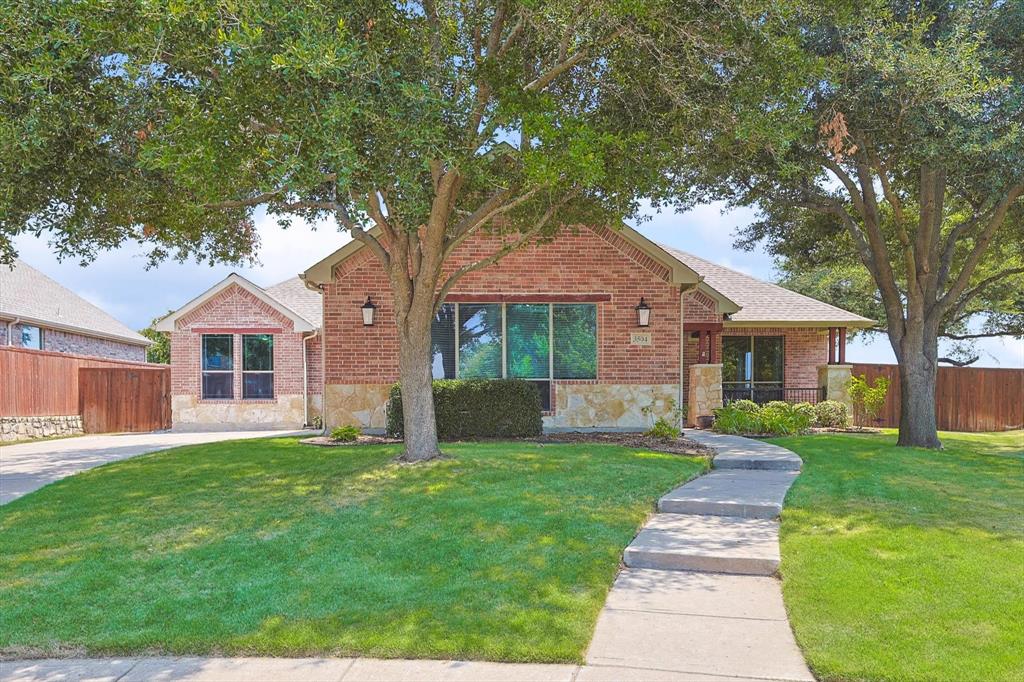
(705, 391)
(284, 412)
(26, 428)
(362, 405)
(615, 406)
(835, 379)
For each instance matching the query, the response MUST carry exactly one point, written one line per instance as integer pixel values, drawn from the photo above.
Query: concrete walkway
(697, 603)
(698, 600)
(28, 466)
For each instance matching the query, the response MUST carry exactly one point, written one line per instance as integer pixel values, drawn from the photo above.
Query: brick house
(563, 314)
(38, 313)
(242, 355)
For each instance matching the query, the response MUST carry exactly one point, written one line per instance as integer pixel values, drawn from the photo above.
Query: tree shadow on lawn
(505, 551)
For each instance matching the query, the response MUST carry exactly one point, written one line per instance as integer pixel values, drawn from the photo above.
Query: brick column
(705, 391)
(835, 380)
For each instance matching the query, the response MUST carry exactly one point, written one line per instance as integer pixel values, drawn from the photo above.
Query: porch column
(705, 391)
(842, 345)
(831, 345)
(834, 381)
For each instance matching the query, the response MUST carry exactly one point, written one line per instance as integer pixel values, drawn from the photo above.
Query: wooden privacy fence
(966, 398)
(110, 395)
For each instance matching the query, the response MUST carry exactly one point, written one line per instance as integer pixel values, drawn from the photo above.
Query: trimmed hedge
(477, 408)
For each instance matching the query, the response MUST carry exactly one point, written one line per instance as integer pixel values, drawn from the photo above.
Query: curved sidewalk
(712, 611)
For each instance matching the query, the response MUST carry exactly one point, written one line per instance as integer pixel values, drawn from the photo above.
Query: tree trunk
(417, 387)
(918, 361)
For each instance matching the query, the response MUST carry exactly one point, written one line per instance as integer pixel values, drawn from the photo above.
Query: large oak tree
(907, 160)
(169, 123)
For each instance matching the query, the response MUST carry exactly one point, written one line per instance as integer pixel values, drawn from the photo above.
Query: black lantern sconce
(643, 314)
(369, 309)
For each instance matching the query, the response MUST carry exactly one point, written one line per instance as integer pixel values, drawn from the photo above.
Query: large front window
(257, 366)
(533, 341)
(752, 367)
(218, 367)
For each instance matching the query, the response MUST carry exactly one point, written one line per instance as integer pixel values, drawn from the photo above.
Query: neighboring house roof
(765, 303)
(284, 297)
(34, 298)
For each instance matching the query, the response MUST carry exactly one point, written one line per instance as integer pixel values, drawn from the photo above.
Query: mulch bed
(675, 446)
(328, 442)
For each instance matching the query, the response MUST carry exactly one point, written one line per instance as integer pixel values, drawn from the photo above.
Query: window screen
(218, 366)
(257, 366)
(480, 341)
(575, 336)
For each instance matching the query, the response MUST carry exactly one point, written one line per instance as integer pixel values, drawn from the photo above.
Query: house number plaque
(639, 338)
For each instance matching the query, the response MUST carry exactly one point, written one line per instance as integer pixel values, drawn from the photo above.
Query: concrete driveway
(28, 466)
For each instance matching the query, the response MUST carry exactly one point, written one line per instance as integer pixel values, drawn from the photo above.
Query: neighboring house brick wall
(66, 342)
(80, 344)
(236, 310)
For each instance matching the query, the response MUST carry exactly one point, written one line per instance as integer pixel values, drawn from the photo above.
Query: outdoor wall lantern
(643, 314)
(369, 309)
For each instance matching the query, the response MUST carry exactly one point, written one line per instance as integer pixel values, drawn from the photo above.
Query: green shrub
(731, 419)
(347, 434)
(805, 409)
(868, 400)
(776, 418)
(744, 405)
(477, 408)
(665, 425)
(831, 414)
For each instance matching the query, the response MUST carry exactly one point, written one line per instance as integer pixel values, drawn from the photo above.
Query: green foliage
(318, 423)
(160, 351)
(806, 409)
(345, 434)
(831, 414)
(477, 408)
(744, 405)
(868, 399)
(665, 426)
(169, 125)
(774, 418)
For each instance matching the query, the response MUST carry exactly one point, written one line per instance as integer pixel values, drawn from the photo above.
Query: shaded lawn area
(506, 551)
(907, 564)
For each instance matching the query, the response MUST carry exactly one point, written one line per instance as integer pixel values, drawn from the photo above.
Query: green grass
(505, 551)
(906, 564)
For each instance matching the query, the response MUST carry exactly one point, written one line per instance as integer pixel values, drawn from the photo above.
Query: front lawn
(503, 552)
(906, 564)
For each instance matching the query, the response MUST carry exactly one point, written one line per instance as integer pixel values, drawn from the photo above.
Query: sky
(119, 282)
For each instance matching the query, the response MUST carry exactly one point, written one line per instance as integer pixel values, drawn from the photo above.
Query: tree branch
(545, 79)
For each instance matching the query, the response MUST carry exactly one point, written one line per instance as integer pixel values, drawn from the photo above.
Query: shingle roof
(763, 301)
(29, 294)
(293, 294)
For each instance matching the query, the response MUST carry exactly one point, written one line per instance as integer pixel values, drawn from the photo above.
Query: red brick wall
(573, 264)
(236, 308)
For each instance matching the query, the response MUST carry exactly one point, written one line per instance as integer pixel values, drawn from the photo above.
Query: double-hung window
(218, 362)
(257, 366)
(537, 342)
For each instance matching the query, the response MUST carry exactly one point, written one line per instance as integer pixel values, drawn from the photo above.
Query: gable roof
(284, 298)
(31, 296)
(765, 303)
